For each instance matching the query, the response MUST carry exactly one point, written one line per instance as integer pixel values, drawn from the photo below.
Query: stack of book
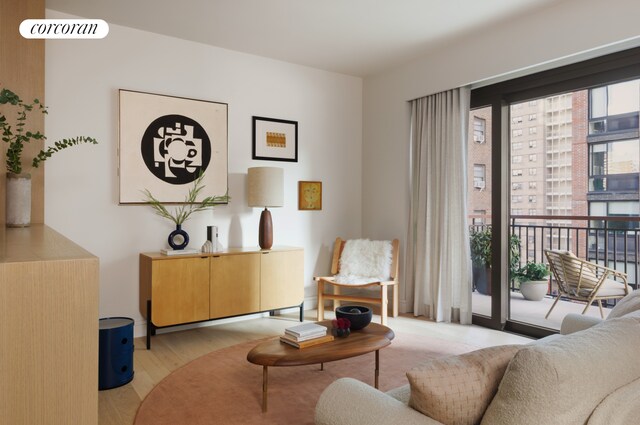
(306, 335)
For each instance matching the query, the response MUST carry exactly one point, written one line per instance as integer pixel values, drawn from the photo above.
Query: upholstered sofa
(590, 374)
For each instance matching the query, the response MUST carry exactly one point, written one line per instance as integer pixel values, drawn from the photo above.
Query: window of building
(614, 166)
(532, 199)
(614, 99)
(532, 211)
(516, 186)
(614, 107)
(479, 217)
(479, 176)
(533, 130)
(517, 211)
(516, 120)
(533, 185)
(533, 171)
(516, 146)
(532, 158)
(532, 144)
(479, 128)
(615, 209)
(516, 172)
(516, 159)
(533, 117)
(533, 102)
(516, 199)
(517, 133)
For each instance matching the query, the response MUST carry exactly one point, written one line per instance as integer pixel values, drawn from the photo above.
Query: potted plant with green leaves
(480, 241)
(16, 135)
(533, 280)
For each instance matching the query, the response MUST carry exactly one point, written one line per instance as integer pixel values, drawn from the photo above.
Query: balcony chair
(583, 280)
(362, 268)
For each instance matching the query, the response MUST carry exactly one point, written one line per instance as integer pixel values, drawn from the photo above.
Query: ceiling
(354, 37)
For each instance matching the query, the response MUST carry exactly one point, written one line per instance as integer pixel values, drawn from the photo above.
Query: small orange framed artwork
(309, 195)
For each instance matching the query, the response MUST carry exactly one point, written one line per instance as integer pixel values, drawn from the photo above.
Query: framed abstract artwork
(166, 142)
(309, 195)
(275, 140)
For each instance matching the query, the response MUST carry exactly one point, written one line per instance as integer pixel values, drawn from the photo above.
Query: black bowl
(358, 315)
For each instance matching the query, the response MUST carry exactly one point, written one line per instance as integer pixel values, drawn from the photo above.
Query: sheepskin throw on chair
(364, 261)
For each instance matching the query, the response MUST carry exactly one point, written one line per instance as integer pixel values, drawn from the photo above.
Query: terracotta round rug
(222, 387)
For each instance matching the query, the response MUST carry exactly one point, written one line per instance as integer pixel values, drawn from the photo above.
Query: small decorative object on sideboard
(341, 327)
(358, 315)
(178, 239)
(18, 190)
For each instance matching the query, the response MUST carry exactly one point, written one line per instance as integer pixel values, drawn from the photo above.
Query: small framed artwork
(309, 195)
(275, 140)
(166, 142)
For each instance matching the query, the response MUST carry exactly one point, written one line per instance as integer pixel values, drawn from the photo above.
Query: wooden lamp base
(265, 232)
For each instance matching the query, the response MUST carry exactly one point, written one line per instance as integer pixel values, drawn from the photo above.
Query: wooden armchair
(381, 298)
(583, 280)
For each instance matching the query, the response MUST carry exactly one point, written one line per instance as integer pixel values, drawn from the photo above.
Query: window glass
(599, 102)
(623, 97)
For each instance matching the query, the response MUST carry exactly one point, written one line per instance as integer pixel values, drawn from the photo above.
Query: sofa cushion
(621, 407)
(563, 380)
(627, 305)
(401, 394)
(456, 390)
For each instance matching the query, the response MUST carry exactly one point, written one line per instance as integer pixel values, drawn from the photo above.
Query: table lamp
(266, 189)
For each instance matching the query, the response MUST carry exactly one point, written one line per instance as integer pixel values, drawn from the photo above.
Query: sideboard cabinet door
(180, 288)
(282, 279)
(235, 285)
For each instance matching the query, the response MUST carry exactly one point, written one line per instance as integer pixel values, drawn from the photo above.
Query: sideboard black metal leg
(150, 327)
(302, 311)
(272, 312)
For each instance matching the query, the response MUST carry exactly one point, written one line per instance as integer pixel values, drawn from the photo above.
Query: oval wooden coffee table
(276, 353)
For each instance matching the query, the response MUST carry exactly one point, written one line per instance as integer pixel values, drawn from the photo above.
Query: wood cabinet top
(37, 243)
(228, 251)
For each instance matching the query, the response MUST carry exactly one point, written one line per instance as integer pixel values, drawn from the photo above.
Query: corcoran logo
(64, 28)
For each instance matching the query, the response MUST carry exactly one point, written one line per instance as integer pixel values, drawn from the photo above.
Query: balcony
(610, 241)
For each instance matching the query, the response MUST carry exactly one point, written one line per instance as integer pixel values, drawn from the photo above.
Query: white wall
(82, 82)
(564, 29)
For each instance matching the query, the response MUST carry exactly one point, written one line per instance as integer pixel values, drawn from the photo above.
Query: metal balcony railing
(610, 241)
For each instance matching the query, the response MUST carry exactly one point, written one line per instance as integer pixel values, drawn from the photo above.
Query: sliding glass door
(559, 170)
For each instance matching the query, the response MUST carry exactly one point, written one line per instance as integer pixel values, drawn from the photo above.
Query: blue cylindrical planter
(115, 360)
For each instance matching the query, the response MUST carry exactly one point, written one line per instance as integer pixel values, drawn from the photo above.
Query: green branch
(18, 137)
(190, 206)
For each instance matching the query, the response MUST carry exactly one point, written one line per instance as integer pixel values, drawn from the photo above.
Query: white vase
(534, 290)
(18, 204)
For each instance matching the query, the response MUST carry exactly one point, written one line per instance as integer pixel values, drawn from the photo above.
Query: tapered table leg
(377, 368)
(265, 384)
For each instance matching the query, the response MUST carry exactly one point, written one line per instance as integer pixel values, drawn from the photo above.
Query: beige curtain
(438, 262)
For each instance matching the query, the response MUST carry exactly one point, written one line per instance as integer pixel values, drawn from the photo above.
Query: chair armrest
(327, 278)
(577, 322)
(351, 402)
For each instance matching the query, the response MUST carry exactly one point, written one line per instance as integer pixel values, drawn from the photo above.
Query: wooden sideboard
(181, 289)
(48, 329)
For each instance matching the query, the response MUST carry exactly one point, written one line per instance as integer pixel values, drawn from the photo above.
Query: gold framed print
(309, 195)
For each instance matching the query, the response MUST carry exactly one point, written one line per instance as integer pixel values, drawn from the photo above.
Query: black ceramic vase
(178, 239)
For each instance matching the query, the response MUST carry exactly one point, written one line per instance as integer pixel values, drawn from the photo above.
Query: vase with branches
(16, 135)
(179, 239)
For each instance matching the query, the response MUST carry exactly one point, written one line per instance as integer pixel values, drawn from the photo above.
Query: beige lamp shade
(266, 187)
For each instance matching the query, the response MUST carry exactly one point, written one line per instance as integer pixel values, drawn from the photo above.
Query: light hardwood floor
(171, 350)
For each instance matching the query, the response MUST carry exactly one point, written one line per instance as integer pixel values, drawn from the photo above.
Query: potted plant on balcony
(533, 281)
(18, 189)
(481, 258)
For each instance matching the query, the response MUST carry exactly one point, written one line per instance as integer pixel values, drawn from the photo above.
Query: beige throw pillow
(627, 305)
(457, 390)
